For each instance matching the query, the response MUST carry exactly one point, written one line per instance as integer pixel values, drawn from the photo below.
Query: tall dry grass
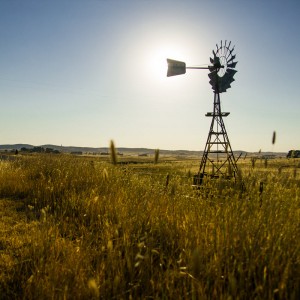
(115, 232)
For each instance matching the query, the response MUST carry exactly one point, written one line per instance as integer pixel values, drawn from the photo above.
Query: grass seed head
(196, 263)
(113, 153)
(92, 285)
(156, 156)
(274, 138)
(105, 174)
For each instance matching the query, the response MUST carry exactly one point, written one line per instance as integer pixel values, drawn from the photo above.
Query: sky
(84, 72)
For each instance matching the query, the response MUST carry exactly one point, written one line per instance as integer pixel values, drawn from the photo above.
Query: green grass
(82, 228)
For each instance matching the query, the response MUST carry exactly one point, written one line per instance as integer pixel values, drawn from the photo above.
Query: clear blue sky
(83, 72)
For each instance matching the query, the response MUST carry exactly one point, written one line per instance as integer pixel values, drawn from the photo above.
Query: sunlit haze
(84, 72)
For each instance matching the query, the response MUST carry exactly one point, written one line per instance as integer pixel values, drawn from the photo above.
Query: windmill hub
(222, 70)
(217, 63)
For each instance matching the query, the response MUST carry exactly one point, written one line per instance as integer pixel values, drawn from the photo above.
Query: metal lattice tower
(218, 159)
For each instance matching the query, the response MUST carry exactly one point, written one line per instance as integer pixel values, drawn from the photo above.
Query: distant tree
(293, 154)
(38, 149)
(49, 150)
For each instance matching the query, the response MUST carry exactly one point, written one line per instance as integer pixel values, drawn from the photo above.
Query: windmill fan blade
(213, 75)
(213, 84)
(231, 72)
(226, 84)
(211, 60)
(231, 59)
(175, 67)
(231, 50)
(232, 65)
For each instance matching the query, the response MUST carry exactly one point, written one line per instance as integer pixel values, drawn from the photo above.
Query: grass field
(84, 228)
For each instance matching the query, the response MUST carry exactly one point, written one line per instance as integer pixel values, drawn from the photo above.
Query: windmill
(218, 160)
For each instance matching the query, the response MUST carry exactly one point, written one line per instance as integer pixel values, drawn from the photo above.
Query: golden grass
(82, 228)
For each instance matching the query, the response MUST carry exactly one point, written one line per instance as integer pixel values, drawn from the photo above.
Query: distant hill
(15, 146)
(69, 149)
